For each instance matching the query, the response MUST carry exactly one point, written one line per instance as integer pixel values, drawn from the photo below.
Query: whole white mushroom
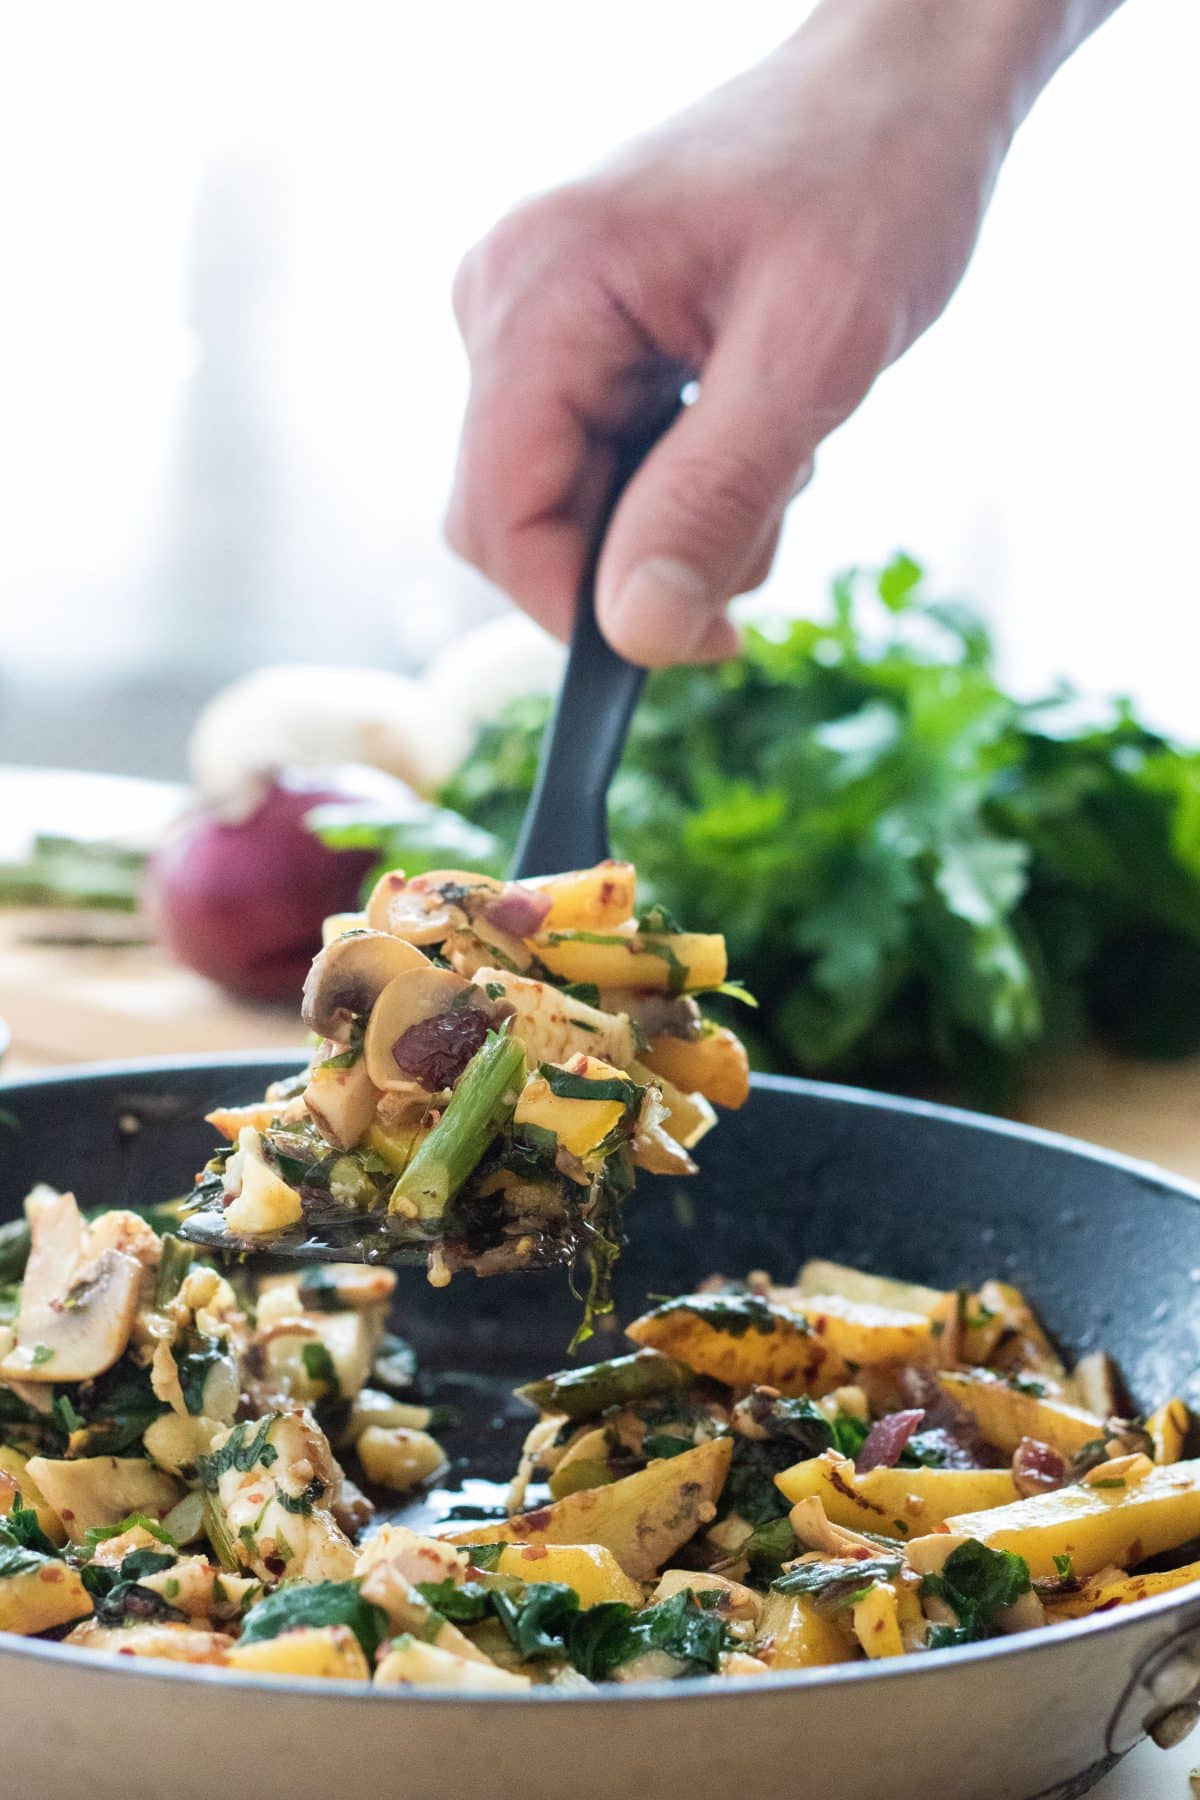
(308, 715)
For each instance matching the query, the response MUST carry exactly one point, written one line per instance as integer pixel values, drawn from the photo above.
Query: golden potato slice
(1107, 1519)
(642, 1519)
(715, 1065)
(1006, 1413)
(742, 1340)
(896, 1502)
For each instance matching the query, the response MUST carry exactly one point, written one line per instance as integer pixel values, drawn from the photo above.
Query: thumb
(698, 523)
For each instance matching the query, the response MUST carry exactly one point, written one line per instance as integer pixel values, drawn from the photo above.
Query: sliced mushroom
(348, 976)
(427, 908)
(77, 1310)
(341, 1102)
(480, 944)
(413, 996)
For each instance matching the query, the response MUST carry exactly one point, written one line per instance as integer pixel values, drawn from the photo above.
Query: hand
(783, 241)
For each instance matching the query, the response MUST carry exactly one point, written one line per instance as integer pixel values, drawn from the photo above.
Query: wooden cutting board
(66, 1003)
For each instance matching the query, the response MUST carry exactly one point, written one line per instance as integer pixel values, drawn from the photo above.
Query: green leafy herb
(244, 1449)
(611, 1634)
(118, 1594)
(586, 991)
(100, 1534)
(660, 918)
(769, 1545)
(42, 1354)
(319, 1365)
(195, 1365)
(20, 1559)
(1027, 1384)
(320, 1291)
(1065, 1566)
(854, 790)
(735, 990)
(978, 1582)
(305, 1500)
(538, 1618)
(19, 1528)
(463, 1603)
(484, 1556)
(174, 1263)
(661, 1444)
(120, 1405)
(566, 1086)
(835, 1585)
(317, 1604)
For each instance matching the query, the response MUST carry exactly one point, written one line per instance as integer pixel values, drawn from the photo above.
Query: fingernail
(661, 612)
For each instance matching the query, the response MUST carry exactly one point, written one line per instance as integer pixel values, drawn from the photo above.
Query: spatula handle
(566, 821)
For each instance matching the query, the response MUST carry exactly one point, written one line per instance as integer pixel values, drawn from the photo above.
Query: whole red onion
(239, 892)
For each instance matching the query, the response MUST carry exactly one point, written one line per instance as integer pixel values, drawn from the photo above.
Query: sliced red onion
(517, 910)
(886, 1439)
(1037, 1468)
(436, 1051)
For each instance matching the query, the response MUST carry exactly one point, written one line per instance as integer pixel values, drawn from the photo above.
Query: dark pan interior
(1109, 1251)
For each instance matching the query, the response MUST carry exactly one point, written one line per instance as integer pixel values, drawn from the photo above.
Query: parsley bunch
(915, 871)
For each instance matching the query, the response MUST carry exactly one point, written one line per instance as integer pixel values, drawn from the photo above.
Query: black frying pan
(1108, 1250)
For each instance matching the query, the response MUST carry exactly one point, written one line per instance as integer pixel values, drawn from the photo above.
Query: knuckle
(552, 238)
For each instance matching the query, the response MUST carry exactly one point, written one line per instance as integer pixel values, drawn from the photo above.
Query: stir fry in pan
(772, 1478)
(494, 1061)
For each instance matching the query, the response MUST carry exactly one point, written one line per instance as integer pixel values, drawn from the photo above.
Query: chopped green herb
(835, 1585)
(242, 1450)
(42, 1354)
(317, 1604)
(319, 1365)
(978, 1583)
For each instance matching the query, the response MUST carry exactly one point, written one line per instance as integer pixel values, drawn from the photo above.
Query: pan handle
(1162, 1700)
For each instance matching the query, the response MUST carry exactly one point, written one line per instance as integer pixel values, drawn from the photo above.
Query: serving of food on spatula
(495, 1060)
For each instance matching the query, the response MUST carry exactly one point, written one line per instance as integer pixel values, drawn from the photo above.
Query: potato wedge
(876, 1621)
(670, 962)
(15, 1479)
(1099, 1596)
(591, 1569)
(1029, 1347)
(896, 1502)
(792, 1634)
(1093, 1524)
(103, 1490)
(589, 899)
(1167, 1429)
(820, 1277)
(860, 1331)
(1006, 1414)
(324, 1652)
(715, 1065)
(742, 1340)
(579, 1124)
(689, 1116)
(642, 1519)
(41, 1594)
(410, 1663)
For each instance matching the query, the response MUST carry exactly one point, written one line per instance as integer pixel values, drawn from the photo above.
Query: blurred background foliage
(919, 875)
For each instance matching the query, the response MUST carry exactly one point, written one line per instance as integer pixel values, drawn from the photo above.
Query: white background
(230, 384)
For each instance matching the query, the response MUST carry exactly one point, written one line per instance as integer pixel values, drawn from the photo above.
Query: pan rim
(70, 1074)
(1182, 1604)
